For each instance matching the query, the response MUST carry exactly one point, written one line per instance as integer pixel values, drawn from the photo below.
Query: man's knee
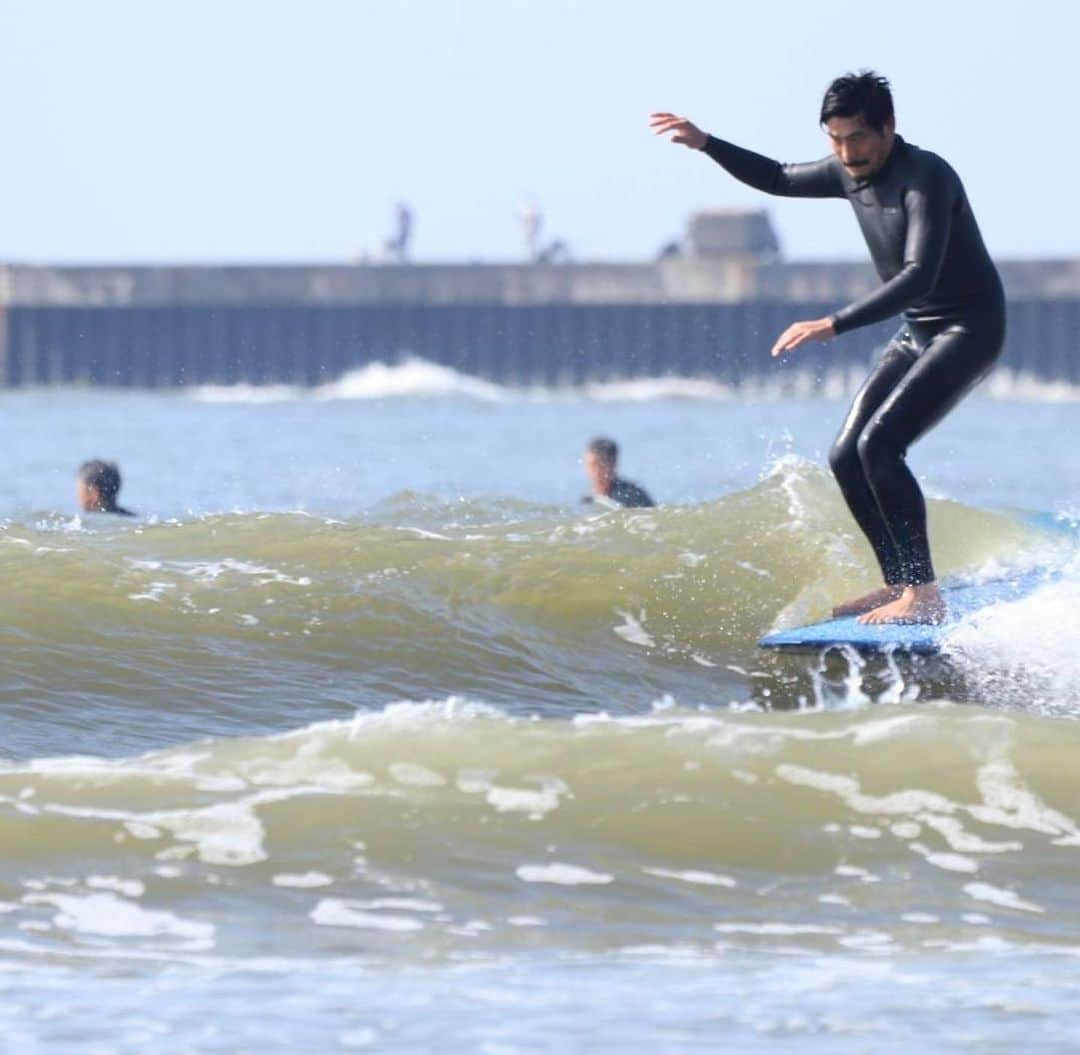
(844, 459)
(877, 450)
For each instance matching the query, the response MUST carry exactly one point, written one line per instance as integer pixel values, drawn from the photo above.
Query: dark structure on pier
(710, 309)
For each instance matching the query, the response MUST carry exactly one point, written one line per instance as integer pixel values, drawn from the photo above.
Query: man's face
(600, 471)
(861, 149)
(88, 497)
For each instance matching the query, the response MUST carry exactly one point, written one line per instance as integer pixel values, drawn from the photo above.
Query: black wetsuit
(934, 268)
(624, 493)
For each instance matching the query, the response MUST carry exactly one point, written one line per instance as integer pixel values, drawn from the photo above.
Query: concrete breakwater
(711, 317)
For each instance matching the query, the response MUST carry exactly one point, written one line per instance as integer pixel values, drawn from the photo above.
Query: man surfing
(934, 268)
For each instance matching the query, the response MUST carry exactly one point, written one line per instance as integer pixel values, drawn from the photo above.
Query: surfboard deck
(962, 599)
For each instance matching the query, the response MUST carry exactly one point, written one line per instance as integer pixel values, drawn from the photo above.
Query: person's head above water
(857, 114)
(601, 454)
(98, 486)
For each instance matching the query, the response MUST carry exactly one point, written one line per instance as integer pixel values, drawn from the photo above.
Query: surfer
(608, 488)
(934, 268)
(97, 487)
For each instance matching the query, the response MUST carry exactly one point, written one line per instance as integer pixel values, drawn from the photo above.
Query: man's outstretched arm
(814, 179)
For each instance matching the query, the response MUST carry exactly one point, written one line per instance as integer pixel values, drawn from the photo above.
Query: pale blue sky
(239, 130)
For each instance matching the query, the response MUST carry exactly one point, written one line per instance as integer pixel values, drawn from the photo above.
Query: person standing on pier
(397, 245)
(934, 267)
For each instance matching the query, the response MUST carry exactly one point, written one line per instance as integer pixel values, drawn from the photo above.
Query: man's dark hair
(604, 448)
(104, 477)
(864, 94)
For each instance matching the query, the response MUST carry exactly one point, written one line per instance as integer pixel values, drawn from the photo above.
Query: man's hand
(686, 132)
(801, 332)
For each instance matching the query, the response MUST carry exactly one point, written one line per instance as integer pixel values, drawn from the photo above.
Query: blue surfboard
(963, 600)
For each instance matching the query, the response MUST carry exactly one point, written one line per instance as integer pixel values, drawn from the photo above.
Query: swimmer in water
(608, 488)
(935, 269)
(97, 487)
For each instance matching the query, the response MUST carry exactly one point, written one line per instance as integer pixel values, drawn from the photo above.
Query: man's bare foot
(868, 602)
(916, 604)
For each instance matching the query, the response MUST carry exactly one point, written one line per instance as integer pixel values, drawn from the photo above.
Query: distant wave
(421, 379)
(412, 378)
(1026, 388)
(647, 389)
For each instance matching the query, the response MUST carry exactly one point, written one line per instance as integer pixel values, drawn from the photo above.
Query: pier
(711, 310)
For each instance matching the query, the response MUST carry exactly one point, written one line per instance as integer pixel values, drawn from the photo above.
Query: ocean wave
(415, 378)
(420, 378)
(447, 822)
(1023, 387)
(121, 636)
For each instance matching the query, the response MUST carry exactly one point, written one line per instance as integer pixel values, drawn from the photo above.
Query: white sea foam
(334, 912)
(127, 887)
(691, 876)
(412, 775)
(774, 929)
(1004, 804)
(1025, 651)
(244, 393)
(948, 862)
(963, 841)
(649, 389)
(211, 571)
(407, 714)
(866, 940)
(527, 800)
(302, 879)
(154, 592)
(107, 915)
(227, 833)
(562, 874)
(633, 630)
(908, 801)
(1010, 804)
(404, 904)
(411, 378)
(998, 896)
